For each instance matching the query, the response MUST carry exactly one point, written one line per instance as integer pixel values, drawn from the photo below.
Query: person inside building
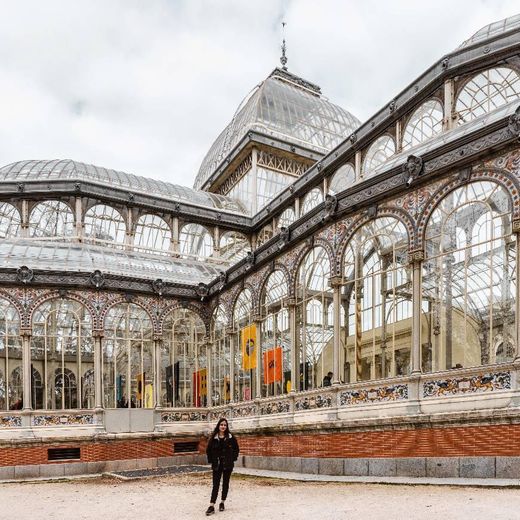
(327, 380)
(222, 452)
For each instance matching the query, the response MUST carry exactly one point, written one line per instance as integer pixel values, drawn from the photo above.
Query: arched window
(183, 360)
(50, 219)
(315, 334)
(425, 123)
(344, 177)
(220, 383)
(469, 277)
(312, 199)
(265, 234)
(487, 91)
(286, 218)
(61, 342)
(234, 246)
(195, 241)
(245, 338)
(275, 336)
(381, 149)
(128, 358)
(152, 235)
(10, 357)
(9, 221)
(377, 334)
(105, 225)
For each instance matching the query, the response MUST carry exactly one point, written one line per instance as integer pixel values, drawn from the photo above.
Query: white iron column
(98, 374)
(293, 332)
(516, 231)
(232, 340)
(416, 259)
(258, 343)
(26, 367)
(335, 283)
(157, 344)
(449, 120)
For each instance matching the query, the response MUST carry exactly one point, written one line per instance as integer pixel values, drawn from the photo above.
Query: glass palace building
(345, 293)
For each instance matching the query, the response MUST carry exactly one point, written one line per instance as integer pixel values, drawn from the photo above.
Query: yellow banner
(248, 339)
(148, 396)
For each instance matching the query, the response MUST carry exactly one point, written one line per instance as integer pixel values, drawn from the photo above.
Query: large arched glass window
(152, 235)
(11, 397)
(10, 221)
(275, 336)
(315, 334)
(195, 241)
(183, 360)
(61, 348)
(265, 234)
(425, 123)
(311, 200)
(245, 338)
(381, 149)
(128, 358)
(377, 288)
(105, 225)
(487, 91)
(220, 383)
(286, 218)
(469, 279)
(234, 246)
(344, 177)
(50, 219)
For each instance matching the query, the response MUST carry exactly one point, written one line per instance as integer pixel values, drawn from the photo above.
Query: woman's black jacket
(225, 450)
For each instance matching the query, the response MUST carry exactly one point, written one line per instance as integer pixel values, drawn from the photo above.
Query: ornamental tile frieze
(10, 421)
(374, 395)
(313, 402)
(188, 416)
(63, 420)
(467, 385)
(275, 407)
(248, 410)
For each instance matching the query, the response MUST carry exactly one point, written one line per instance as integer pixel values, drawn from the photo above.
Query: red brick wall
(93, 452)
(464, 441)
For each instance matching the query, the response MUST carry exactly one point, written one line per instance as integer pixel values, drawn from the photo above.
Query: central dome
(289, 108)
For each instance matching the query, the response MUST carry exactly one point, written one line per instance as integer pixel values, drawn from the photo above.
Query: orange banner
(248, 340)
(272, 365)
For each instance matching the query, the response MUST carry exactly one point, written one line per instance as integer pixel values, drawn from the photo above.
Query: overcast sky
(146, 86)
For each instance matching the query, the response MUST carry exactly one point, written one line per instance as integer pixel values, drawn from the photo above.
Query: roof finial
(283, 59)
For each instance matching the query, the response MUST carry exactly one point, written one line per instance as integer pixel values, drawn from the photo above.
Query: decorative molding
(487, 382)
(81, 419)
(312, 402)
(184, 416)
(374, 395)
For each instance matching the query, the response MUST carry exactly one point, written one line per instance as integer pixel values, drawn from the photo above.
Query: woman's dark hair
(215, 431)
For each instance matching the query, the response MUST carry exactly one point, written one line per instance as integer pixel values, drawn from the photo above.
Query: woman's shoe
(210, 510)
(221, 506)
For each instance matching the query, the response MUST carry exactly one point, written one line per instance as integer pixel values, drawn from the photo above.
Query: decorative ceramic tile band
(374, 395)
(10, 421)
(170, 417)
(214, 415)
(62, 420)
(315, 401)
(465, 385)
(275, 407)
(245, 411)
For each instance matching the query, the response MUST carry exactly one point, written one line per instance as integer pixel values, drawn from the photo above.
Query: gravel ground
(186, 497)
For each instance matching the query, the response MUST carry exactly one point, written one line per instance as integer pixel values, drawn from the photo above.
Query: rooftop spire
(283, 58)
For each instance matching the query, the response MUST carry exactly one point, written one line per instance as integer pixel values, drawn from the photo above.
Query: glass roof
(287, 107)
(74, 257)
(493, 29)
(26, 171)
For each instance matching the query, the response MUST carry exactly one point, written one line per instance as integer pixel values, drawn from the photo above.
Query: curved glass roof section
(26, 171)
(85, 258)
(287, 107)
(493, 29)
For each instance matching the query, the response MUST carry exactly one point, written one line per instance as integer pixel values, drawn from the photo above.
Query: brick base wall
(464, 441)
(106, 450)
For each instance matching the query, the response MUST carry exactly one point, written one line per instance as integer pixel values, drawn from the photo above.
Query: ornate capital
(229, 331)
(202, 290)
(515, 225)
(413, 168)
(284, 237)
(97, 279)
(290, 302)
(158, 286)
(331, 204)
(335, 281)
(25, 332)
(416, 256)
(250, 259)
(24, 274)
(98, 333)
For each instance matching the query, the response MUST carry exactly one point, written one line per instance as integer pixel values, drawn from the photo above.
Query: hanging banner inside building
(200, 388)
(172, 382)
(248, 341)
(272, 361)
(226, 389)
(140, 387)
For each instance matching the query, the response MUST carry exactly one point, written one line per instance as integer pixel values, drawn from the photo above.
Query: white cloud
(146, 87)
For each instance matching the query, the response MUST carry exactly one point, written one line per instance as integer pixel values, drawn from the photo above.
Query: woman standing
(222, 452)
